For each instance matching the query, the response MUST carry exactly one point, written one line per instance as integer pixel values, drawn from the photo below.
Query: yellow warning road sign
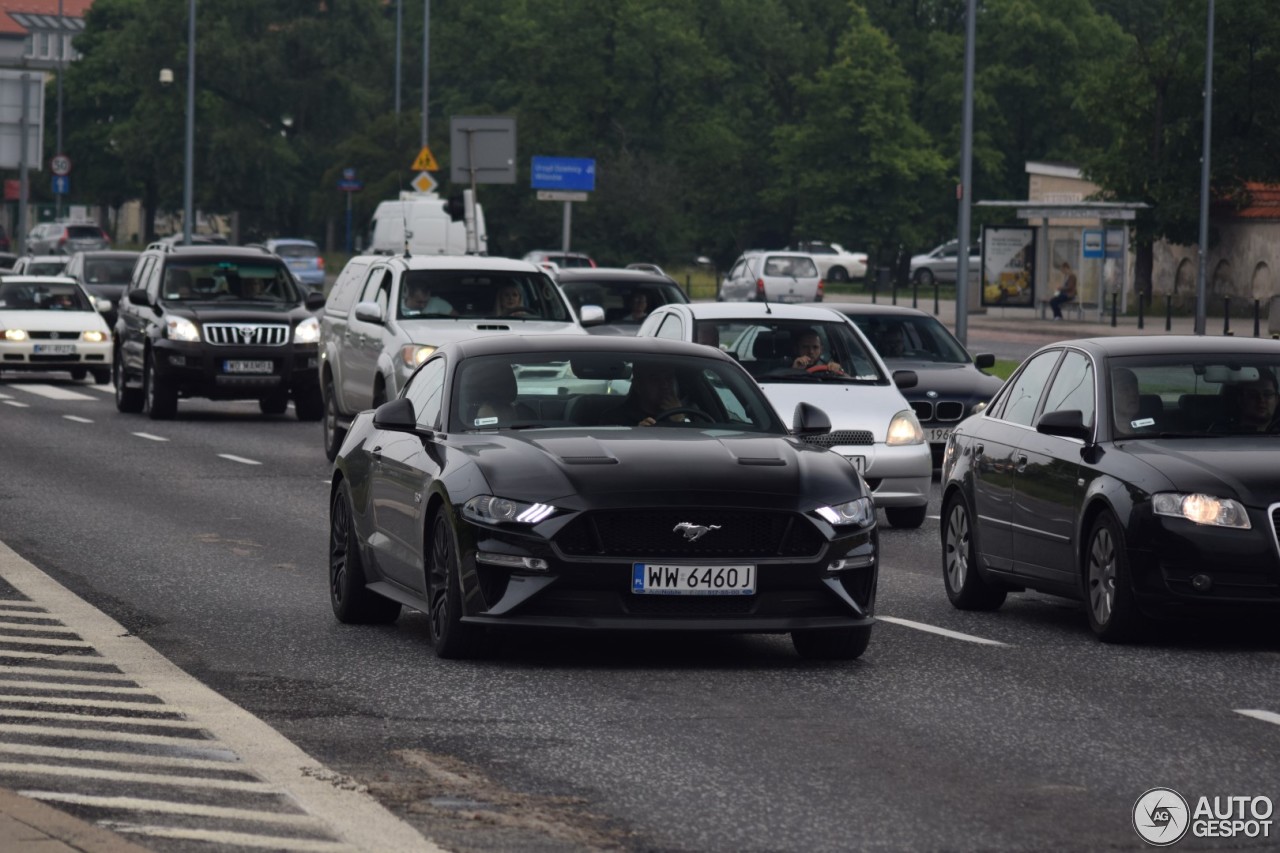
(423, 183)
(426, 161)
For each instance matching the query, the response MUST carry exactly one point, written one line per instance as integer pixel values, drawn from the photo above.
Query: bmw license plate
(858, 462)
(230, 366)
(54, 349)
(938, 435)
(661, 579)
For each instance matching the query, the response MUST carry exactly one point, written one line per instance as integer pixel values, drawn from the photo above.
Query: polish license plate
(791, 297)
(54, 349)
(938, 435)
(859, 462)
(663, 579)
(230, 366)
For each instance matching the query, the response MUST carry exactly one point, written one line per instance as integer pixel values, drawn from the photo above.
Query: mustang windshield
(1204, 395)
(798, 351)
(606, 389)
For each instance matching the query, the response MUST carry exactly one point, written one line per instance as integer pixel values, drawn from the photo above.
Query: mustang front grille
(246, 334)
(653, 534)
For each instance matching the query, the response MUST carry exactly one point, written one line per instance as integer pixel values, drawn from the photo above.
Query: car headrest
(771, 345)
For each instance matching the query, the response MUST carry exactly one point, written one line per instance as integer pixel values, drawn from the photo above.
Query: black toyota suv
(221, 322)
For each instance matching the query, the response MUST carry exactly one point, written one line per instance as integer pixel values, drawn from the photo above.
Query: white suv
(761, 276)
(386, 314)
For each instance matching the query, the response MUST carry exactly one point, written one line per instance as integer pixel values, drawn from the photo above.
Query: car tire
(159, 398)
(349, 596)
(101, 377)
(966, 588)
(128, 400)
(924, 278)
(274, 404)
(379, 392)
(906, 516)
(78, 374)
(453, 639)
(832, 643)
(308, 405)
(333, 434)
(837, 274)
(1108, 585)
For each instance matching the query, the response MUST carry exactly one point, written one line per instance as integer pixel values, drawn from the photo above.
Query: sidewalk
(29, 826)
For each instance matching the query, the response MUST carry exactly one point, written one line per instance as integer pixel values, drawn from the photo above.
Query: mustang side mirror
(1068, 423)
(906, 378)
(591, 315)
(984, 360)
(396, 415)
(810, 420)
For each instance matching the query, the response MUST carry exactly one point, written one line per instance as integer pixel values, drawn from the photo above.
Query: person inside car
(653, 392)
(638, 305)
(418, 301)
(808, 354)
(509, 302)
(1251, 406)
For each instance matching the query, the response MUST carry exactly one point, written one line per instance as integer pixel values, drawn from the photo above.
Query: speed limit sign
(60, 165)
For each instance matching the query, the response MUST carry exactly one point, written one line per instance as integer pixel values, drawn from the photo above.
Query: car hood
(661, 462)
(1240, 467)
(239, 312)
(849, 406)
(439, 332)
(949, 379)
(52, 321)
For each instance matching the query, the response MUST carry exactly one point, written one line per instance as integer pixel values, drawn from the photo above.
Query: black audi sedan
(1140, 475)
(598, 483)
(953, 384)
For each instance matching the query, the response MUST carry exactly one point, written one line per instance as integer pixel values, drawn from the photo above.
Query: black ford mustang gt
(523, 481)
(1139, 475)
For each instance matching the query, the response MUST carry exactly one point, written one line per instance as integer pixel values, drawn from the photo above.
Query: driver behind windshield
(808, 354)
(653, 392)
(419, 301)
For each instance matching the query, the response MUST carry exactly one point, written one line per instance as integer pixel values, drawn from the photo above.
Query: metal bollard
(915, 292)
(1141, 298)
(1257, 316)
(1168, 312)
(935, 297)
(873, 290)
(1114, 298)
(1226, 315)
(894, 290)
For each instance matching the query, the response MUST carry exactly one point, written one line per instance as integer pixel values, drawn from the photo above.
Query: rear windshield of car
(228, 281)
(790, 266)
(617, 298)
(45, 268)
(488, 295)
(570, 260)
(108, 271)
(296, 250)
(80, 232)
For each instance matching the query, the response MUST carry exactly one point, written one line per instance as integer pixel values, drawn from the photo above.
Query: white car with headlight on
(815, 355)
(51, 324)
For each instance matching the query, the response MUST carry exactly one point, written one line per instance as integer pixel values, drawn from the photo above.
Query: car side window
(1025, 392)
(372, 283)
(151, 278)
(140, 274)
(1073, 387)
(426, 391)
(671, 328)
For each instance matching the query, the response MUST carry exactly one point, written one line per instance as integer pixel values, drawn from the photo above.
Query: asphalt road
(206, 537)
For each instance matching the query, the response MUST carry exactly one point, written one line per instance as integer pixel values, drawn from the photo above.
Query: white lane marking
(22, 632)
(78, 419)
(1265, 716)
(232, 839)
(149, 437)
(28, 641)
(121, 757)
(112, 704)
(239, 459)
(934, 517)
(113, 677)
(55, 392)
(80, 772)
(138, 804)
(78, 688)
(933, 629)
(105, 734)
(5, 397)
(16, 404)
(104, 389)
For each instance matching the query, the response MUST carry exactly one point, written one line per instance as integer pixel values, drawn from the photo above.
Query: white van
(430, 228)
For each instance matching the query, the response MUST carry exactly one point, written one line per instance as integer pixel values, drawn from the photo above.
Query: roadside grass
(1003, 368)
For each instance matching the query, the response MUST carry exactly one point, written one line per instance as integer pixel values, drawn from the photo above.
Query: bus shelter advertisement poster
(1008, 265)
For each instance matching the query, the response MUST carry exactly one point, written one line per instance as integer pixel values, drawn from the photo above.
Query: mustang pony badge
(693, 532)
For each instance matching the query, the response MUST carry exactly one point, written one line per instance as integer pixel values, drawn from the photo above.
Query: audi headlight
(415, 354)
(904, 429)
(1202, 509)
(182, 329)
(488, 509)
(15, 335)
(861, 512)
(93, 336)
(307, 332)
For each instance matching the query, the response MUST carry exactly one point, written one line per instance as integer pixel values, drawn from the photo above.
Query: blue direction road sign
(564, 173)
(350, 186)
(61, 185)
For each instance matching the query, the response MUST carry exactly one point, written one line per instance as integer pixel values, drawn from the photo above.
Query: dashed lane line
(1265, 716)
(149, 437)
(55, 392)
(16, 404)
(239, 459)
(934, 629)
(78, 419)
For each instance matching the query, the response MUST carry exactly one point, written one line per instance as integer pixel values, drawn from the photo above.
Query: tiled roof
(18, 17)
(1263, 201)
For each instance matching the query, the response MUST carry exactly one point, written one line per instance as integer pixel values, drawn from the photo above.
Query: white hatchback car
(51, 324)
(760, 276)
(801, 354)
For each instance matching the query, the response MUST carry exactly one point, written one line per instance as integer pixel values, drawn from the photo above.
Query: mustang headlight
(491, 510)
(15, 335)
(307, 332)
(415, 354)
(93, 336)
(1202, 509)
(861, 512)
(904, 429)
(182, 329)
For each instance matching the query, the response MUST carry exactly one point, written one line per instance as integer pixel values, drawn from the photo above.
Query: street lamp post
(188, 174)
(58, 150)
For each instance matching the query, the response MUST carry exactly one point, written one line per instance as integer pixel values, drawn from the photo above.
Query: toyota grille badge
(693, 532)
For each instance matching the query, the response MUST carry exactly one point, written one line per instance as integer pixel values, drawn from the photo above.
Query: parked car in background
(303, 257)
(801, 354)
(40, 265)
(952, 384)
(106, 275)
(7, 260)
(65, 238)
(1137, 475)
(549, 259)
(759, 276)
(196, 240)
(386, 314)
(835, 263)
(50, 324)
(940, 263)
(535, 509)
(626, 295)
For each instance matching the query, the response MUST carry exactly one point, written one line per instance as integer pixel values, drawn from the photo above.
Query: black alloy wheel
(1108, 588)
(453, 639)
(308, 405)
(966, 588)
(128, 400)
(159, 398)
(351, 600)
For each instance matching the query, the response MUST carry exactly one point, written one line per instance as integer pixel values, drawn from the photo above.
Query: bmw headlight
(978, 407)
(415, 354)
(93, 336)
(861, 512)
(904, 429)
(307, 332)
(15, 335)
(1201, 509)
(488, 509)
(182, 329)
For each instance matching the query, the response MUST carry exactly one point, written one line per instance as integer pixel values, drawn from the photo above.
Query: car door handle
(1022, 463)
(376, 453)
